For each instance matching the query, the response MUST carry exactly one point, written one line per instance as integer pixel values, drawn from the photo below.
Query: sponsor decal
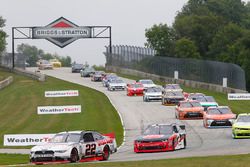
(26, 139)
(58, 109)
(238, 96)
(63, 93)
(61, 32)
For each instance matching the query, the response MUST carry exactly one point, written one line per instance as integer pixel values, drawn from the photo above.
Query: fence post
(224, 84)
(176, 75)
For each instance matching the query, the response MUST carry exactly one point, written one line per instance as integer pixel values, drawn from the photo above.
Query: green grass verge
(211, 161)
(19, 101)
(237, 106)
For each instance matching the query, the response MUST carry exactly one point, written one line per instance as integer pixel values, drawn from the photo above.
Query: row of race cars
(74, 146)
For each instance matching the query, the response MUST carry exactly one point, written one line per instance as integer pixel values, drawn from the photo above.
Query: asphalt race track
(137, 114)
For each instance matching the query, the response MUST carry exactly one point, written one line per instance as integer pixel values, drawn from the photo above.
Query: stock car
(74, 146)
(172, 97)
(55, 63)
(154, 93)
(193, 96)
(135, 89)
(108, 78)
(147, 83)
(44, 64)
(207, 101)
(221, 116)
(189, 109)
(77, 67)
(97, 76)
(87, 72)
(241, 126)
(116, 84)
(161, 137)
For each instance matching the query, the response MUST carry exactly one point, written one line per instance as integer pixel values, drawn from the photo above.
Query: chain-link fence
(6, 60)
(143, 59)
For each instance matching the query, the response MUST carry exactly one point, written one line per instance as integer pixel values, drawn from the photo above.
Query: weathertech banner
(238, 96)
(26, 139)
(63, 93)
(58, 109)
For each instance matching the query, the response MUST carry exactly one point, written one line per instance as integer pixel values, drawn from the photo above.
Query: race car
(207, 101)
(44, 64)
(108, 78)
(241, 126)
(74, 146)
(87, 72)
(97, 76)
(172, 87)
(147, 83)
(172, 97)
(77, 67)
(221, 116)
(116, 84)
(161, 137)
(189, 109)
(135, 89)
(154, 93)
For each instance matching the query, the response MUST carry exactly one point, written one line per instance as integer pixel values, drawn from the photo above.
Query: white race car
(147, 83)
(74, 146)
(154, 93)
(116, 84)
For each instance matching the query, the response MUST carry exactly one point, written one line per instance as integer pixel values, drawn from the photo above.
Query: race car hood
(221, 116)
(193, 109)
(117, 84)
(153, 93)
(148, 85)
(97, 76)
(52, 146)
(209, 103)
(175, 97)
(148, 138)
(242, 124)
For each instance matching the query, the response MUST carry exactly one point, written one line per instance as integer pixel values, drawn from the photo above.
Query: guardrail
(188, 83)
(6, 82)
(35, 75)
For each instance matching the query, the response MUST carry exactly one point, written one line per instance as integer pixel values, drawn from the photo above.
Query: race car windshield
(159, 130)
(216, 111)
(66, 137)
(119, 81)
(78, 65)
(153, 90)
(174, 94)
(136, 85)
(205, 99)
(244, 118)
(172, 87)
(146, 82)
(194, 96)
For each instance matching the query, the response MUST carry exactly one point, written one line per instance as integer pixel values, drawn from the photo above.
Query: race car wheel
(106, 153)
(74, 156)
(184, 142)
(173, 144)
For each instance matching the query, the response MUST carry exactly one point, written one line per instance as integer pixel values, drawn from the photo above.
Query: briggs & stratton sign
(61, 32)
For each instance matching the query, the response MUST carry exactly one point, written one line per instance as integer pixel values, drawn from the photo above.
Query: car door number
(90, 149)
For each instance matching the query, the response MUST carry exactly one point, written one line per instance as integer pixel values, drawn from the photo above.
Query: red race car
(161, 137)
(190, 109)
(135, 89)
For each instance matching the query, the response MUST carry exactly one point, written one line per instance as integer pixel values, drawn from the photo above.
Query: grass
(237, 106)
(211, 161)
(19, 101)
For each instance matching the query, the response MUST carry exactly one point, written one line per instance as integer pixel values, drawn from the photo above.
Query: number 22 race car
(161, 137)
(74, 146)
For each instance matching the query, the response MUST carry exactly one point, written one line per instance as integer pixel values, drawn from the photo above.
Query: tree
(161, 38)
(3, 36)
(186, 48)
(31, 53)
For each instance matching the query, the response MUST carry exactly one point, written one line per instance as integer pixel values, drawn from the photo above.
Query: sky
(128, 19)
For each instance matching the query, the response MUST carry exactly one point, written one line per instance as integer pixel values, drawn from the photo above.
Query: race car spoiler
(111, 135)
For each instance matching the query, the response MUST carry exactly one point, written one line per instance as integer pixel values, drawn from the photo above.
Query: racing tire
(106, 153)
(74, 156)
(233, 136)
(173, 144)
(184, 142)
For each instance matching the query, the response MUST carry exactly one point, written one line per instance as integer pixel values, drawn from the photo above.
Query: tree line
(216, 30)
(33, 54)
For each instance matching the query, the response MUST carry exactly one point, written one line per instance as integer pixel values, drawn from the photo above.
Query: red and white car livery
(74, 146)
(161, 137)
(135, 89)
